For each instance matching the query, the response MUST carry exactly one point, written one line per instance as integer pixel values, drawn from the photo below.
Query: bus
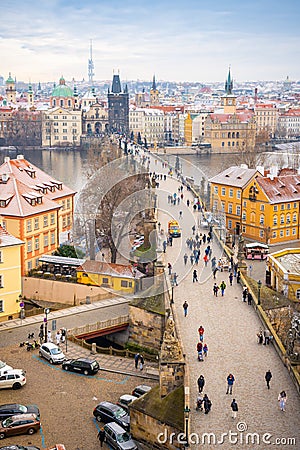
(174, 228)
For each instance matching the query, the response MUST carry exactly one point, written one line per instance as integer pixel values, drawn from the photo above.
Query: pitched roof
(7, 240)
(243, 116)
(284, 188)
(115, 270)
(235, 176)
(21, 183)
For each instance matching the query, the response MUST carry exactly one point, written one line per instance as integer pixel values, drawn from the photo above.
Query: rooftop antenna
(91, 64)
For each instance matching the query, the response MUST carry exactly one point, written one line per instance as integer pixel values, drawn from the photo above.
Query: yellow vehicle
(174, 228)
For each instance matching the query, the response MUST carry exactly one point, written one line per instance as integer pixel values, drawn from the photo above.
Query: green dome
(10, 79)
(62, 90)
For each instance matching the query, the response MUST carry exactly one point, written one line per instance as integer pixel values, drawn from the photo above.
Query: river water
(71, 166)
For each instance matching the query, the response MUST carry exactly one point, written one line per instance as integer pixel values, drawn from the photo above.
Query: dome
(62, 90)
(10, 79)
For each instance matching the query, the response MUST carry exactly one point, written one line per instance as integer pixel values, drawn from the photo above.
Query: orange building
(35, 208)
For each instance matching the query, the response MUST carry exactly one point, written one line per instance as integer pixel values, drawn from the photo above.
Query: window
(262, 207)
(294, 231)
(243, 229)
(282, 207)
(29, 246)
(28, 225)
(63, 205)
(261, 233)
(1, 306)
(282, 218)
(244, 204)
(295, 217)
(36, 223)
(229, 224)
(36, 243)
(52, 238)
(124, 283)
(238, 210)
(274, 234)
(68, 203)
(230, 208)
(288, 206)
(65, 130)
(275, 208)
(105, 280)
(223, 144)
(262, 219)
(223, 191)
(238, 194)
(223, 206)
(52, 219)
(281, 233)
(46, 240)
(1, 281)
(29, 265)
(231, 193)
(287, 232)
(45, 221)
(64, 222)
(295, 205)
(215, 189)
(274, 220)
(244, 215)
(65, 138)
(68, 219)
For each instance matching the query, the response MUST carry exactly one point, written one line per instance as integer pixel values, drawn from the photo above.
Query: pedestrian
(268, 377)
(238, 276)
(215, 272)
(245, 293)
(141, 362)
(207, 404)
(171, 241)
(223, 287)
(185, 258)
(193, 229)
(175, 278)
(201, 333)
(201, 383)
(192, 259)
(230, 381)
(188, 203)
(215, 289)
(180, 213)
(199, 351)
(165, 246)
(234, 407)
(267, 337)
(41, 333)
(205, 349)
(249, 298)
(260, 337)
(230, 278)
(195, 276)
(63, 334)
(136, 360)
(101, 436)
(282, 398)
(205, 259)
(49, 336)
(185, 308)
(170, 268)
(159, 225)
(58, 337)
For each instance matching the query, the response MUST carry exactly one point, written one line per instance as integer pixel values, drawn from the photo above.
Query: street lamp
(259, 284)
(46, 312)
(186, 420)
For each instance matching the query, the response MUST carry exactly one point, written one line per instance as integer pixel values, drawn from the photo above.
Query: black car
(14, 409)
(19, 447)
(110, 412)
(82, 365)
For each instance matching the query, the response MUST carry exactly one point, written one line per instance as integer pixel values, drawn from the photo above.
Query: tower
(154, 94)
(10, 89)
(229, 100)
(118, 107)
(30, 95)
(91, 65)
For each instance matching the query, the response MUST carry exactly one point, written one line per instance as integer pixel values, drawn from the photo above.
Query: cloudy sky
(178, 40)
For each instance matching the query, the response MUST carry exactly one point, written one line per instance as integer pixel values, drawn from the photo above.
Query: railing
(105, 324)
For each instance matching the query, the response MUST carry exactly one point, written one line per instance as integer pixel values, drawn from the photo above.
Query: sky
(176, 40)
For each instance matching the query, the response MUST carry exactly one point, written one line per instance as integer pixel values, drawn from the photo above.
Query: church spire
(229, 83)
(153, 84)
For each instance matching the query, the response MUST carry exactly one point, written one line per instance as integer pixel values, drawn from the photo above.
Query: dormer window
(2, 203)
(39, 200)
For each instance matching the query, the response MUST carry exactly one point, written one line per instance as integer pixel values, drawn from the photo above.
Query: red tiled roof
(243, 116)
(115, 270)
(19, 186)
(292, 112)
(281, 189)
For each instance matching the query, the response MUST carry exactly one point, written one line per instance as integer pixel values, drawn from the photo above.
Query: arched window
(252, 217)
(274, 220)
(61, 103)
(262, 219)
(229, 135)
(233, 135)
(282, 218)
(237, 134)
(69, 102)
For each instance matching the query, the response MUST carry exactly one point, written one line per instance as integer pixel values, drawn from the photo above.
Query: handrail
(109, 323)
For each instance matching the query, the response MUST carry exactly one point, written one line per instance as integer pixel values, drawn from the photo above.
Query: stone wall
(146, 328)
(171, 376)
(61, 292)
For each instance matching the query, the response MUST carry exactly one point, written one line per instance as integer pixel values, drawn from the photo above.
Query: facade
(6, 114)
(61, 127)
(118, 107)
(35, 208)
(149, 122)
(10, 275)
(94, 119)
(266, 118)
(113, 276)
(289, 123)
(283, 270)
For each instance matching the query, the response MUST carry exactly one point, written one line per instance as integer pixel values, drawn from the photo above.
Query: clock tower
(229, 100)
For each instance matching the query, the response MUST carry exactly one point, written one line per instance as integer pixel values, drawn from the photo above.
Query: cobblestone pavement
(230, 333)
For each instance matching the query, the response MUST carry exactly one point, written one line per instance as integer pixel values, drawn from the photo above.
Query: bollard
(94, 351)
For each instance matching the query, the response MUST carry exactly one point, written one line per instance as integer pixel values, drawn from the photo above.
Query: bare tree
(26, 128)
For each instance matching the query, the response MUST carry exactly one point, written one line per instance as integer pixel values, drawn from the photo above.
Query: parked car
(82, 365)
(141, 390)
(125, 400)
(20, 424)
(52, 353)
(13, 379)
(118, 438)
(19, 447)
(4, 367)
(13, 409)
(109, 412)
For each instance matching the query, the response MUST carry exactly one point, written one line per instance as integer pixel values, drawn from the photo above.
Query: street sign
(22, 305)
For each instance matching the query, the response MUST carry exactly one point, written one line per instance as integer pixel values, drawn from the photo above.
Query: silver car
(117, 438)
(52, 353)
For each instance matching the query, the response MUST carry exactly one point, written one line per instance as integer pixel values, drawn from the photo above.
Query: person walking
(175, 279)
(165, 246)
(267, 337)
(238, 276)
(170, 268)
(282, 398)
(58, 337)
(215, 289)
(49, 336)
(185, 308)
(201, 333)
(101, 436)
(234, 407)
(195, 276)
(223, 287)
(249, 298)
(215, 272)
(230, 381)
(205, 349)
(185, 259)
(141, 362)
(180, 213)
(268, 377)
(201, 383)
(206, 404)
(136, 360)
(193, 229)
(245, 293)
(230, 278)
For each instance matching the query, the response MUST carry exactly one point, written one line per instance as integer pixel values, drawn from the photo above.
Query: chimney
(6, 159)
(20, 156)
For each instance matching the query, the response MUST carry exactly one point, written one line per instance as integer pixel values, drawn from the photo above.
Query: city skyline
(40, 41)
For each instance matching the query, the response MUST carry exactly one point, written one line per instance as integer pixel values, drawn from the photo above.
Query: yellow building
(10, 275)
(61, 127)
(266, 118)
(283, 272)
(35, 208)
(188, 129)
(113, 276)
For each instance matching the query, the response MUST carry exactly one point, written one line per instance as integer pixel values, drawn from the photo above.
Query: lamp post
(186, 420)
(46, 312)
(259, 284)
